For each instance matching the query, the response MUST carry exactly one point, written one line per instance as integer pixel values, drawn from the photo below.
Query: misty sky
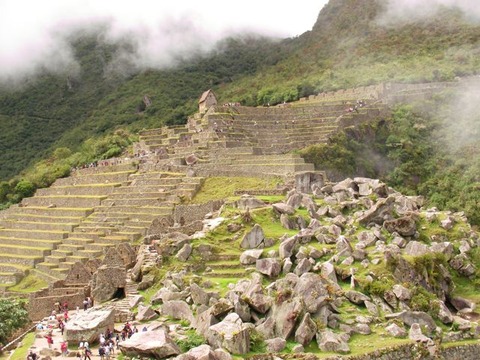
(32, 31)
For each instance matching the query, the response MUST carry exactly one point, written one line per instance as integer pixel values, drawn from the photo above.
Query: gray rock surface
(151, 344)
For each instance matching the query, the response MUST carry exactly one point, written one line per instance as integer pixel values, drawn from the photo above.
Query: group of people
(87, 303)
(359, 104)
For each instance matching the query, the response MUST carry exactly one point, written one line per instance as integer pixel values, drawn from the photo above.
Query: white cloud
(411, 10)
(32, 32)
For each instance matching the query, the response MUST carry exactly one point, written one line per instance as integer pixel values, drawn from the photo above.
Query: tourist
(85, 304)
(49, 340)
(101, 352)
(81, 345)
(64, 348)
(87, 354)
(107, 353)
(32, 355)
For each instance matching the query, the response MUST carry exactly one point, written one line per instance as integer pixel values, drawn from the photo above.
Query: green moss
(21, 352)
(29, 284)
(216, 188)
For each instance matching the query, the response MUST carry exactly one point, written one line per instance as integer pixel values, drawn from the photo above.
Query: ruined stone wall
(270, 192)
(417, 351)
(40, 307)
(185, 214)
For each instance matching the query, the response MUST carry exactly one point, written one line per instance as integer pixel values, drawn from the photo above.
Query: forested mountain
(82, 111)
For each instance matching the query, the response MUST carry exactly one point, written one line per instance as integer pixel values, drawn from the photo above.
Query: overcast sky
(32, 31)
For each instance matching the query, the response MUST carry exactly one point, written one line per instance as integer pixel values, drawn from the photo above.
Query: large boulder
(329, 341)
(88, 325)
(247, 201)
(177, 309)
(283, 208)
(286, 315)
(313, 290)
(231, 334)
(404, 226)
(146, 313)
(249, 257)
(149, 344)
(306, 330)
(270, 267)
(106, 281)
(254, 239)
(378, 213)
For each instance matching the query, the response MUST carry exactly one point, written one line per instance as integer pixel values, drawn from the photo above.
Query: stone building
(207, 99)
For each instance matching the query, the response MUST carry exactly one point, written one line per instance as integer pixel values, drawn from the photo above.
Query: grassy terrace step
(53, 211)
(149, 210)
(26, 260)
(10, 278)
(5, 267)
(155, 201)
(74, 259)
(43, 243)
(49, 278)
(65, 200)
(55, 259)
(167, 174)
(111, 168)
(96, 178)
(44, 219)
(27, 250)
(90, 189)
(131, 215)
(140, 189)
(84, 236)
(140, 194)
(13, 224)
(77, 241)
(33, 234)
(70, 248)
(90, 253)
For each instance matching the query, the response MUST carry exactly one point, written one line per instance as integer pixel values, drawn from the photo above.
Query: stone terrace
(80, 216)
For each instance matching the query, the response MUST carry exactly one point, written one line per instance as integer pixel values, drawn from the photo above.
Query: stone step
(13, 224)
(53, 211)
(82, 201)
(138, 211)
(24, 250)
(43, 243)
(155, 201)
(132, 193)
(34, 234)
(91, 253)
(62, 252)
(95, 178)
(5, 267)
(10, 278)
(71, 260)
(68, 249)
(77, 241)
(48, 277)
(108, 166)
(54, 259)
(45, 219)
(78, 190)
(26, 260)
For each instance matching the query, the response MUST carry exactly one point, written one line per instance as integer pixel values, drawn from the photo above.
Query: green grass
(216, 188)
(29, 284)
(21, 352)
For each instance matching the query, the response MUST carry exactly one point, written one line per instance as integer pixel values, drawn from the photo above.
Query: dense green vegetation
(13, 316)
(413, 152)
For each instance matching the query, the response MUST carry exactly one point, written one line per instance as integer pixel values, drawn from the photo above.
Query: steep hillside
(106, 92)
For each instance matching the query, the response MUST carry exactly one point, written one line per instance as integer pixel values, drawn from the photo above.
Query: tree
(13, 316)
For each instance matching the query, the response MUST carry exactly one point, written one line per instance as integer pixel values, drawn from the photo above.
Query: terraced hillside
(80, 216)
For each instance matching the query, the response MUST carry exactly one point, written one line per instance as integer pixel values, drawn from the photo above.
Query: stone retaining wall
(186, 214)
(40, 307)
